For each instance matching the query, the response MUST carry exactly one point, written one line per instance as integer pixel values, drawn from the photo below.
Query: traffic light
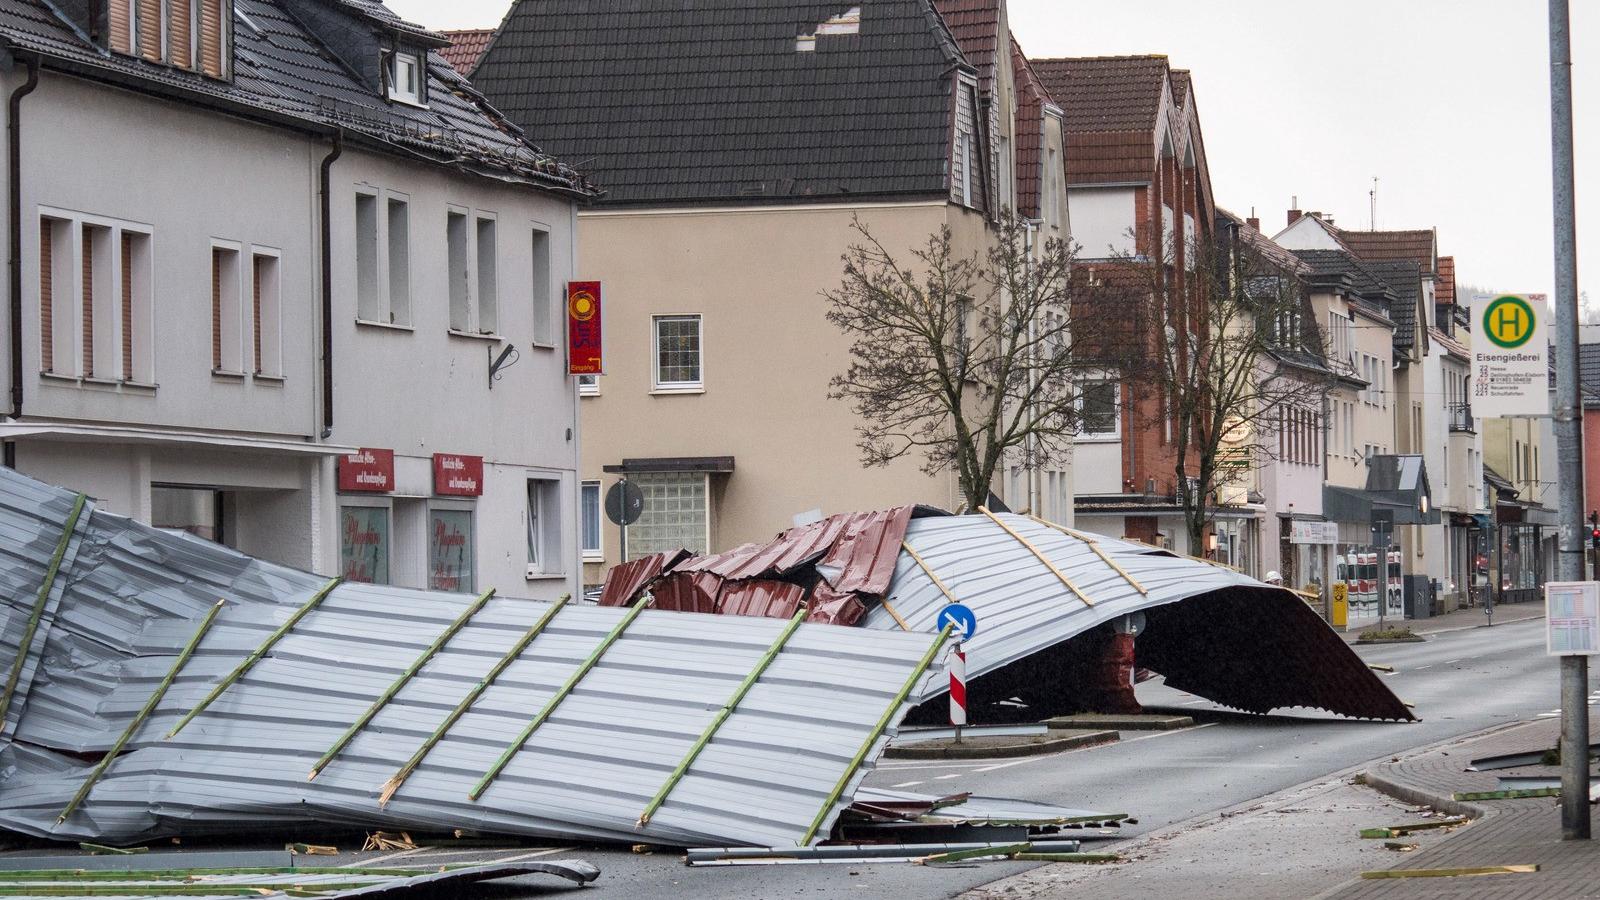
(1594, 530)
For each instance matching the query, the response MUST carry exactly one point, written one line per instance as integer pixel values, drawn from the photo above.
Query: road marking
(1449, 661)
(1153, 734)
(1420, 668)
(379, 859)
(906, 784)
(951, 775)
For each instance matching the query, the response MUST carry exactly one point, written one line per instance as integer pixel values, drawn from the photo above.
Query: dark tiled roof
(1589, 369)
(466, 47)
(1376, 297)
(1110, 105)
(1030, 112)
(1404, 276)
(667, 101)
(1180, 87)
(283, 71)
(975, 24)
(1265, 246)
(1383, 245)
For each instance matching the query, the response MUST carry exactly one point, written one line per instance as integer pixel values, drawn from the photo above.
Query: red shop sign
(369, 469)
(583, 328)
(458, 475)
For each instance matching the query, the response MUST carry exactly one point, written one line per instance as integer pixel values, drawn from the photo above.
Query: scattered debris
(1394, 831)
(921, 854)
(384, 840)
(990, 851)
(1451, 873)
(1506, 795)
(118, 851)
(1070, 857)
(1399, 847)
(312, 849)
(1380, 667)
(269, 881)
(1550, 757)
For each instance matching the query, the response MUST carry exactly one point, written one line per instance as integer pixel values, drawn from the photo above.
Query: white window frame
(66, 300)
(547, 551)
(1100, 437)
(270, 366)
(597, 553)
(413, 96)
(676, 387)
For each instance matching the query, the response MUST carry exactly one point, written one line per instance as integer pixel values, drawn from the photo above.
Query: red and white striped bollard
(958, 688)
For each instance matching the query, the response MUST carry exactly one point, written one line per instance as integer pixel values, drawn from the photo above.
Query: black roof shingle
(667, 101)
(284, 71)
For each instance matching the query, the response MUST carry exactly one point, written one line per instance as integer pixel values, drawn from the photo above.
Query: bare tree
(1230, 352)
(968, 362)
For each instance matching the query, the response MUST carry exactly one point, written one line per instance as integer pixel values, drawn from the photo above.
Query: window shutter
(88, 301)
(127, 306)
(47, 343)
(216, 309)
(211, 25)
(150, 29)
(255, 309)
(121, 31)
(180, 29)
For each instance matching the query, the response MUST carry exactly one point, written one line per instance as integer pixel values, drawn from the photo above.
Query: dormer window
(405, 77)
(195, 35)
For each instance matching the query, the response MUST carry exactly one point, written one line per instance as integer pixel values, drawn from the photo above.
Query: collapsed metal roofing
(508, 716)
(1045, 599)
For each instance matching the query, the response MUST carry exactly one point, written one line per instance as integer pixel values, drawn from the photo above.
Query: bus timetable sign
(1509, 356)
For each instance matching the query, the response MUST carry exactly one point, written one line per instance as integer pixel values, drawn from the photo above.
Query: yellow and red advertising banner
(583, 328)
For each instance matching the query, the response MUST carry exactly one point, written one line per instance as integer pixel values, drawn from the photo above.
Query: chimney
(1253, 222)
(1294, 216)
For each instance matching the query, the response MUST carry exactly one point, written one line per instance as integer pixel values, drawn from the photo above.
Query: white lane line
(1449, 661)
(951, 775)
(1547, 715)
(1420, 668)
(906, 784)
(378, 859)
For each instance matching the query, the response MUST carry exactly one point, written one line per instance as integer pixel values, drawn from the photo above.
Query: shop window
(589, 501)
(450, 549)
(675, 514)
(544, 527)
(364, 544)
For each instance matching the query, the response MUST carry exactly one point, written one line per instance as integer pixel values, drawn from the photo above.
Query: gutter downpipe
(14, 239)
(326, 204)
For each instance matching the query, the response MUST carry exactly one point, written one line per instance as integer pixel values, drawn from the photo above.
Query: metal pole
(1568, 425)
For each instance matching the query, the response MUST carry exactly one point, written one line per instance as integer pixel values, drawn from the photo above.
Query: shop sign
(583, 328)
(369, 469)
(1313, 532)
(1510, 369)
(457, 475)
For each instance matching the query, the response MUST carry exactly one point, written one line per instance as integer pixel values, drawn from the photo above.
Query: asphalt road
(1460, 682)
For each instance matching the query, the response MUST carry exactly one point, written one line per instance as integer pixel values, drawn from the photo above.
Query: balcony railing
(1460, 417)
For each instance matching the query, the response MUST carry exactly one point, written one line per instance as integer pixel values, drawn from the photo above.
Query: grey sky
(1445, 101)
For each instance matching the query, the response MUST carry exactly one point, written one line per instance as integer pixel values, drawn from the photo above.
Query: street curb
(1416, 796)
(1414, 639)
(1142, 722)
(1004, 751)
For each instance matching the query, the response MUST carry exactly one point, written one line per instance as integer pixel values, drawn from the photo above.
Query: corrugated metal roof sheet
(129, 596)
(1210, 630)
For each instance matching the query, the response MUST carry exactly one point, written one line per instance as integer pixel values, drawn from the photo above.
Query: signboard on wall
(1313, 532)
(1510, 368)
(583, 329)
(1572, 618)
(457, 475)
(368, 470)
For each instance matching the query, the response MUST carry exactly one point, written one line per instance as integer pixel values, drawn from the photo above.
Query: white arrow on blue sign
(962, 617)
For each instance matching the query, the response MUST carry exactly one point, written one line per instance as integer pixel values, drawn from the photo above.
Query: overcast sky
(1445, 101)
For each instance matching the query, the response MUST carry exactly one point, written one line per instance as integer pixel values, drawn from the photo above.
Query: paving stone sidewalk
(1506, 832)
(1470, 617)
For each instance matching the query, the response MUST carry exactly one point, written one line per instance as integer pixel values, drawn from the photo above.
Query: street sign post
(1382, 528)
(1510, 365)
(963, 623)
(624, 504)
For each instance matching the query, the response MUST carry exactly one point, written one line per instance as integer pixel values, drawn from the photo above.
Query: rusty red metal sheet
(761, 597)
(865, 554)
(688, 592)
(624, 582)
(831, 607)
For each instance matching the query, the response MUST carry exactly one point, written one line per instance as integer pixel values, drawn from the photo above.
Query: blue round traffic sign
(962, 617)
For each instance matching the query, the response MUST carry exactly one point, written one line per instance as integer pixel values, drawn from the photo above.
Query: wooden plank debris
(1095, 546)
(143, 714)
(1452, 873)
(1062, 576)
(256, 655)
(377, 706)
